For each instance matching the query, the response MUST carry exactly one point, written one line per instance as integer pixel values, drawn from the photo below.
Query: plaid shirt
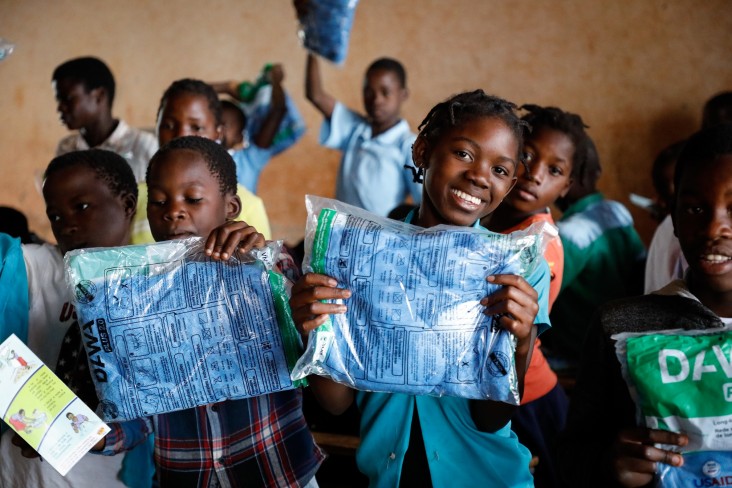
(260, 441)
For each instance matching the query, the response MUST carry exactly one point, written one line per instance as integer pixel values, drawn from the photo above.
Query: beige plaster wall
(638, 71)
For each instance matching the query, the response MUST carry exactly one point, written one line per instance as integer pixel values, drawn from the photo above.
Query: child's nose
(174, 211)
(720, 225)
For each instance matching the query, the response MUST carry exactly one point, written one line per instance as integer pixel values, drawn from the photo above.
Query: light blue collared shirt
(372, 174)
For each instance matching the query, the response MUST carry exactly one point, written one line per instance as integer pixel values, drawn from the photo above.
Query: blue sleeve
(414, 189)
(334, 132)
(539, 280)
(14, 304)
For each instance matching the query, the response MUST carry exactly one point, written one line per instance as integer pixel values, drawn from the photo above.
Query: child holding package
(191, 108)
(555, 149)
(375, 147)
(251, 156)
(260, 441)
(469, 149)
(618, 453)
(90, 200)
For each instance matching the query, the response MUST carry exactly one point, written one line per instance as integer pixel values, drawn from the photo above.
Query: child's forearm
(314, 88)
(276, 113)
(332, 396)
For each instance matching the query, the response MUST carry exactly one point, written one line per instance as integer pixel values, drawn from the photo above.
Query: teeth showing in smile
(716, 258)
(466, 197)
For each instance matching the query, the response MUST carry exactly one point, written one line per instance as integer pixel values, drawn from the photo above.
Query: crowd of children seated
(476, 161)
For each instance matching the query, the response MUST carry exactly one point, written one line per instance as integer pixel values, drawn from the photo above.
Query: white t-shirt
(665, 261)
(51, 315)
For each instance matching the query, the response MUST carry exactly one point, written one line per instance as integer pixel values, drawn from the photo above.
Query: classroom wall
(638, 71)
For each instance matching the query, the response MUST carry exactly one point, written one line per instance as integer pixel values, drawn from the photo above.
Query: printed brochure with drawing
(43, 410)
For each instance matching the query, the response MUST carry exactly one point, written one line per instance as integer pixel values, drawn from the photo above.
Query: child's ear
(420, 153)
(100, 94)
(219, 133)
(129, 203)
(233, 207)
(404, 95)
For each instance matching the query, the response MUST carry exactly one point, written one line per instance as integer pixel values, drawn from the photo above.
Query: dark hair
(14, 223)
(705, 145)
(567, 123)
(219, 161)
(668, 156)
(194, 87)
(241, 117)
(467, 106)
(90, 71)
(389, 64)
(717, 110)
(109, 167)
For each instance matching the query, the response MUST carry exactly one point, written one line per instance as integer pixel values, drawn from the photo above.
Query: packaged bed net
(325, 28)
(414, 322)
(256, 100)
(166, 328)
(681, 381)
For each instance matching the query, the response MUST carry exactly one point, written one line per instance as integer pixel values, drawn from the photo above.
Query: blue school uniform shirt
(458, 454)
(250, 161)
(372, 174)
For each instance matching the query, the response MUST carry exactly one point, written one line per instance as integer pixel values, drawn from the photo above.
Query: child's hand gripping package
(256, 99)
(167, 328)
(681, 381)
(414, 322)
(325, 27)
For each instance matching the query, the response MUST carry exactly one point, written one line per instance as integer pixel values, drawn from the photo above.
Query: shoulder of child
(656, 312)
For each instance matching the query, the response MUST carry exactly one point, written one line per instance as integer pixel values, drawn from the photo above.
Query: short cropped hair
(717, 110)
(705, 145)
(219, 161)
(90, 71)
(109, 167)
(195, 87)
(241, 118)
(467, 106)
(567, 123)
(389, 64)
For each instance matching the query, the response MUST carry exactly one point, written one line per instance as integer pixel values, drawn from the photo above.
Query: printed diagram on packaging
(414, 320)
(173, 335)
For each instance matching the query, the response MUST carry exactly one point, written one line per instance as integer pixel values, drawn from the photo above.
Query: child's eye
(462, 154)
(54, 218)
(693, 210)
(196, 128)
(555, 171)
(194, 200)
(528, 157)
(501, 170)
(82, 206)
(157, 203)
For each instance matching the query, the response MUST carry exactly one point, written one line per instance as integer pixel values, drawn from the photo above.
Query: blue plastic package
(414, 322)
(166, 328)
(326, 28)
(291, 128)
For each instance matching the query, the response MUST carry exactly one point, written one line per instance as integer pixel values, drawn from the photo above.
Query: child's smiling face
(468, 171)
(84, 211)
(185, 198)
(703, 223)
(549, 155)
